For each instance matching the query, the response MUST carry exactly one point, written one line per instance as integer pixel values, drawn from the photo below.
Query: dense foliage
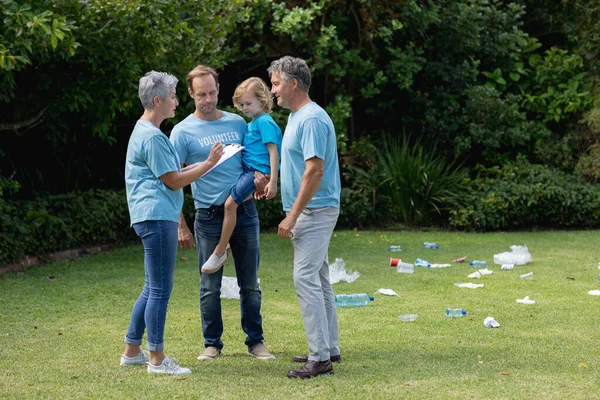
(475, 83)
(57, 222)
(523, 195)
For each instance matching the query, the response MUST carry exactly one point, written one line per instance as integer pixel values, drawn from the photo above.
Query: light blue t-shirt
(193, 138)
(149, 156)
(310, 133)
(261, 131)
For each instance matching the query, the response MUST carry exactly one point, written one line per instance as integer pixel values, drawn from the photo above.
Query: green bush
(59, 222)
(419, 185)
(522, 195)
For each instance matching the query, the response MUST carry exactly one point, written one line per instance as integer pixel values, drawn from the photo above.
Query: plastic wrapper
(518, 255)
(338, 272)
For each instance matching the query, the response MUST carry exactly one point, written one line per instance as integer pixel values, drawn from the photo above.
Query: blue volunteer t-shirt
(261, 131)
(310, 133)
(150, 155)
(193, 138)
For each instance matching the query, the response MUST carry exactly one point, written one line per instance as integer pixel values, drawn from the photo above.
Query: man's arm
(184, 235)
(271, 189)
(310, 183)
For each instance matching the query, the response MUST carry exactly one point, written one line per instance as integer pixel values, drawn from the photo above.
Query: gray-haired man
(310, 191)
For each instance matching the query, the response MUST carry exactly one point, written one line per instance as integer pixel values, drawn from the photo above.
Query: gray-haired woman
(154, 181)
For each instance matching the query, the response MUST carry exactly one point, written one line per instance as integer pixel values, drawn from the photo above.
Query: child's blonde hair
(259, 88)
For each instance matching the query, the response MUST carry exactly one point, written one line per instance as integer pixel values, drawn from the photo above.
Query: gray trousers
(311, 237)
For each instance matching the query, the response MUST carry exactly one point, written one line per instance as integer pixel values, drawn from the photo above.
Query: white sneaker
(140, 359)
(214, 263)
(168, 367)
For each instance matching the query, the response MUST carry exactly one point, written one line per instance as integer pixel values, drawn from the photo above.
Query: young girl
(262, 146)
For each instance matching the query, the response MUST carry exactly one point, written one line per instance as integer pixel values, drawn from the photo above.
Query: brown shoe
(304, 359)
(310, 369)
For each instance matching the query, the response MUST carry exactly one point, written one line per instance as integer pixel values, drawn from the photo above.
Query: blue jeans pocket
(204, 214)
(250, 209)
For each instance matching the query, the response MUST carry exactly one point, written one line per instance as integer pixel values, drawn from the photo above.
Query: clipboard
(229, 150)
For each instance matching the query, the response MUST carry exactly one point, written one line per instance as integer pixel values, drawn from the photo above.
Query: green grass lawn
(62, 337)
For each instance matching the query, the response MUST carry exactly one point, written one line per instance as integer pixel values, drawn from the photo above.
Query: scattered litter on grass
(230, 288)
(439, 265)
(518, 255)
(528, 276)
(405, 268)
(388, 292)
(594, 292)
(525, 300)
(474, 275)
(490, 322)
(337, 272)
(485, 271)
(419, 262)
(469, 285)
(407, 317)
(507, 267)
(460, 259)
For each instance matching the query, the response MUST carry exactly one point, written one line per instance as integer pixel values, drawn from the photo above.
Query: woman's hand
(215, 153)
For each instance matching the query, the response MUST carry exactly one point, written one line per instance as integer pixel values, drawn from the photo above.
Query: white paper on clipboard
(229, 150)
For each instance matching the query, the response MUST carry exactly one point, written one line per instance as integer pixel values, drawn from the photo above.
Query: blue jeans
(150, 310)
(245, 247)
(244, 186)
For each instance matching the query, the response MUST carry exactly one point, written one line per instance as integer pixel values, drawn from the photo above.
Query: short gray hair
(154, 84)
(292, 68)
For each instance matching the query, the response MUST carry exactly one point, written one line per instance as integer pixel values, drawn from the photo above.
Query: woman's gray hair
(292, 68)
(154, 84)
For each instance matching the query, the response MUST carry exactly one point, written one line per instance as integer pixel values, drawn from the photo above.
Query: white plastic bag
(230, 288)
(337, 272)
(518, 255)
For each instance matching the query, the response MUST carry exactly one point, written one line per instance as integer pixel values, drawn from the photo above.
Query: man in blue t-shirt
(310, 191)
(193, 138)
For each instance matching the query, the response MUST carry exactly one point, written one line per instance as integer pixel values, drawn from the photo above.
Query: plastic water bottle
(353, 300)
(407, 317)
(455, 312)
(422, 263)
(431, 245)
(478, 264)
(395, 248)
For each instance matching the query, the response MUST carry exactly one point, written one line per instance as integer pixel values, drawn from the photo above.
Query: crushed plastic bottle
(430, 245)
(478, 264)
(419, 262)
(455, 312)
(395, 248)
(407, 317)
(353, 300)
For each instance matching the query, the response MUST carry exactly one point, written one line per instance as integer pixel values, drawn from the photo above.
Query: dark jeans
(245, 246)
